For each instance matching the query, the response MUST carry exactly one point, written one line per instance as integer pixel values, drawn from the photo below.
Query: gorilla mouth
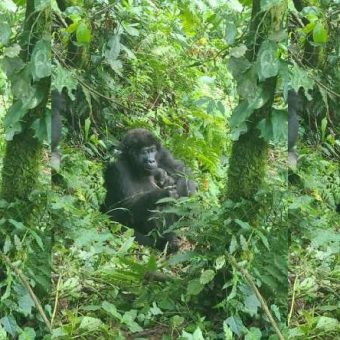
(149, 167)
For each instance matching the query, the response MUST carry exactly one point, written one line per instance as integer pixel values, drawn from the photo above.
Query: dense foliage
(203, 76)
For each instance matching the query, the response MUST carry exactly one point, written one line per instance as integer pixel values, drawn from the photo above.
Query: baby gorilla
(144, 173)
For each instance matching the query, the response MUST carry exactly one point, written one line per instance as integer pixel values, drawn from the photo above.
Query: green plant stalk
(264, 305)
(25, 283)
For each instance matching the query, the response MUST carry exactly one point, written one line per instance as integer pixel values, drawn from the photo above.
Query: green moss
(247, 166)
(21, 166)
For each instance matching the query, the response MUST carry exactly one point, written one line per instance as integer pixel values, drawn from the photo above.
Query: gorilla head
(141, 149)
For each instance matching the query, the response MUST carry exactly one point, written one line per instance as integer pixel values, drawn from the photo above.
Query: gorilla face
(146, 158)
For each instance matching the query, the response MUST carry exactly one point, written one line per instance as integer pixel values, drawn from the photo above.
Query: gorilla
(144, 173)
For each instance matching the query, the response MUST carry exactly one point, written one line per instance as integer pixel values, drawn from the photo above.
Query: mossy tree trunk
(23, 154)
(249, 155)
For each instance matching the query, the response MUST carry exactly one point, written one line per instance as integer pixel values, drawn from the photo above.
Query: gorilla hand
(162, 178)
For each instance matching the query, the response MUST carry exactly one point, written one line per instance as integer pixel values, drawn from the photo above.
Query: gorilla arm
(179, 174)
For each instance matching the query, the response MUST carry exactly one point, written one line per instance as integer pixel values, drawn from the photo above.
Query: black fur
(133, 190)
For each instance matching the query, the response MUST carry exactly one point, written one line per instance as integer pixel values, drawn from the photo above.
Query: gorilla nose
(152, 163)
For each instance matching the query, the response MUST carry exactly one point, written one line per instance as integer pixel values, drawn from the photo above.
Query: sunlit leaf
(207, 276)
(230, 32)
(28, 333)
(253, 334)
(320, 34)
(41, 63)
(5, 32)
(267, 63)
(194, 287)
(83, 33)
(12, 51)
(8, 5)
(90, 324)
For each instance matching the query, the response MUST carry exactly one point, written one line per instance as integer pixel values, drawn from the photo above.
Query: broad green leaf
(41, 64)
(8, 5)
(238, 131)
(233, 245)
(188, 21)
(19, 225)
(113, 50)
(238, 51)
(83, 33)
(131, 30)
(111, 309)
(5, 32)
(155, 310)
(59, 332)
(251, 303)
(12, 119)
(266, 129)
(10, 325)
(230, 32)
(247, 84)
(238, 66)
(236, 325)
(259, 98)
(240, 114)
(301, 78)
(129, 53)
(3, 335)
(129, 320)
(26, 303)
(207, 276)
(21, 86)
(276, 311)
(177, 321)
(228, 334)
(267, 63)
(320, 34)
(8, 245)
(42, 127)
(12, 51)
(64, 78)
(279, 120)
(90, 324)
(180, 258)
(328, 324)
(220, 262)
(27, 334)
(197, 334)
(116, 66)
(38, 239)
(236, 5)
(12, 65)
(194, 287)
(12, 130)
(253, 334)
(296, 332)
